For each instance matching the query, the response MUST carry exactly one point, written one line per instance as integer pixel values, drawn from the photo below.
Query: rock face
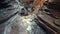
(14, 23)
(23, 25)
(7, 9)
(16, 18)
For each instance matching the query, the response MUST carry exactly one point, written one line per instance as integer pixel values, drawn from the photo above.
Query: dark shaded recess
(4, 4)
(2, 0)
(26, 7)
(53, 5)
(50, 13)
(46, 10)
(2, 21)
(23, 12)
(31, 1)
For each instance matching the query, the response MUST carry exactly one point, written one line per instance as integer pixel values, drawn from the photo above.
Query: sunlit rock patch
(24, 25)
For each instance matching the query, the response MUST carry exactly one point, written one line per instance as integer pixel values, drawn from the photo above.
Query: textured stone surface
(19, 26)
(5, 11)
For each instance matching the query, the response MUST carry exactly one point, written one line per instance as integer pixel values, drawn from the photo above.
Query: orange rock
(37, 4)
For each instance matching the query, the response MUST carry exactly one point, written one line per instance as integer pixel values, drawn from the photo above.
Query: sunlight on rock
(29, 28)
(26, 20)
